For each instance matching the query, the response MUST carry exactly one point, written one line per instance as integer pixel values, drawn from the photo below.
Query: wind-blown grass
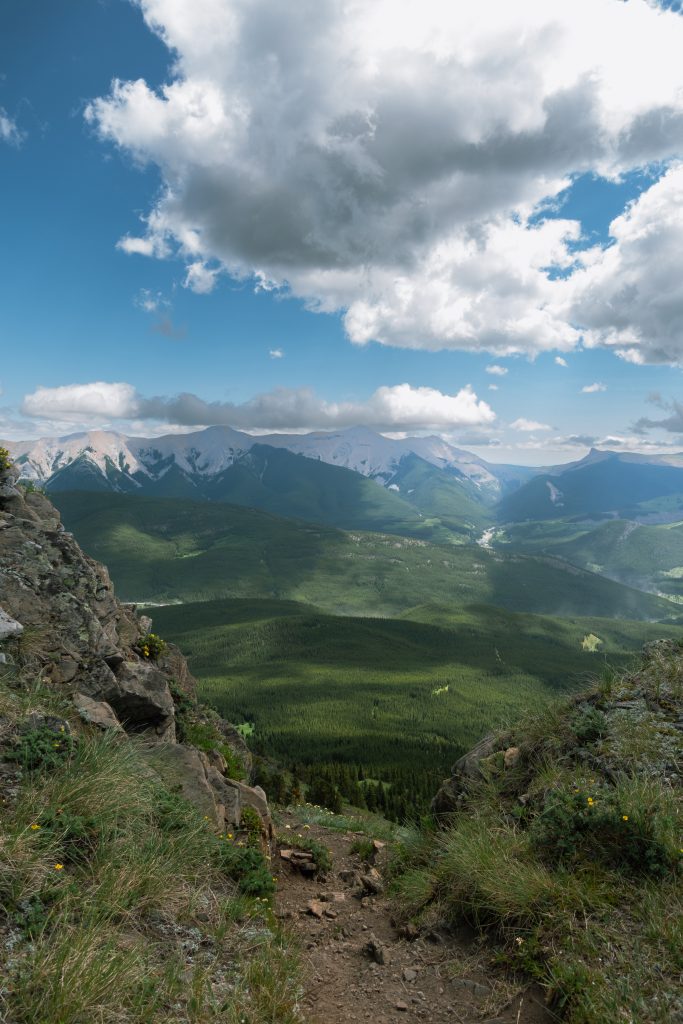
(117, 907)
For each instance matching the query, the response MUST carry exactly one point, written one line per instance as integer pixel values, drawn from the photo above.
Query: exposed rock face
(139, 694)
(59, 614)
(217, 797)
(96, 712)
(466, 770)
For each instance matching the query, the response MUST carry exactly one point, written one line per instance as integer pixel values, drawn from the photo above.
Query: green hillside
(401, 696)
(278, 481)
(448, 496)
(170, 551)
(647, 557)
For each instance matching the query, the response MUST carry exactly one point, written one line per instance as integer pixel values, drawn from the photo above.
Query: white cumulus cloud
(383, 159)
(559, 361)
(497, 371)
(630, 296)
(71, 402)
(592, 389)
(529, 426)
(276, 353)
(398, 407)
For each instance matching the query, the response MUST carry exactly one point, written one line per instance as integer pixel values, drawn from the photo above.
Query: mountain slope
(278, 481)
(647, 557)
(445, 495)
(605, 483)
(171, 550)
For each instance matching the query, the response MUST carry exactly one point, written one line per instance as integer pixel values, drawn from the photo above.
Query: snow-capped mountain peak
(207, 452)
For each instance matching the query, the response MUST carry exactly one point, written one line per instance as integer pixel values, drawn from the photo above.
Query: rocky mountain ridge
(119, 462)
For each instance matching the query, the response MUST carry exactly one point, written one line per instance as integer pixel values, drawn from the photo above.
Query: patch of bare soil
(360, 967)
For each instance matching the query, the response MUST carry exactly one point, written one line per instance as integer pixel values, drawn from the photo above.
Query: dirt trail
(429, 979)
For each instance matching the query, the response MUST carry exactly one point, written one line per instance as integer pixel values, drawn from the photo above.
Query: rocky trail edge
(360, 966)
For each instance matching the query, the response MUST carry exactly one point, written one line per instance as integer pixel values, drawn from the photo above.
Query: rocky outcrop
(9, 627)
(219, 798)
(96, 712)
(645, 702)
(61, 623)
(465, 771)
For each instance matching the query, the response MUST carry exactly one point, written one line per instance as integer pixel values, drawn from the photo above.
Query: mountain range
(119, 462)
(426, 486)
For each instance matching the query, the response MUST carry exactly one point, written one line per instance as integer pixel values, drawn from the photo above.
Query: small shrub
(248, 867)
(5, 460)
(250, 823)
(363, 847)
(184, 707)
(207, 737)
(31, 915)
(170, 812)
(588, 724)
(44, 748)
(74, 835)
(31, 488)
(593, 824)
(151, 646)
(198, 725)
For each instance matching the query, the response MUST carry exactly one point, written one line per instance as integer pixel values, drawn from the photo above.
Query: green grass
(172, 551)
(362, 691)
(117, 899)
(569, 860)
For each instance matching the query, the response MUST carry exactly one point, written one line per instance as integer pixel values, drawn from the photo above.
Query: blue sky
(77, 178)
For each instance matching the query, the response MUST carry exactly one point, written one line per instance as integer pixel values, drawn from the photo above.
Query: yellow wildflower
(59, 867)
(624, 817)
(34, 827)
